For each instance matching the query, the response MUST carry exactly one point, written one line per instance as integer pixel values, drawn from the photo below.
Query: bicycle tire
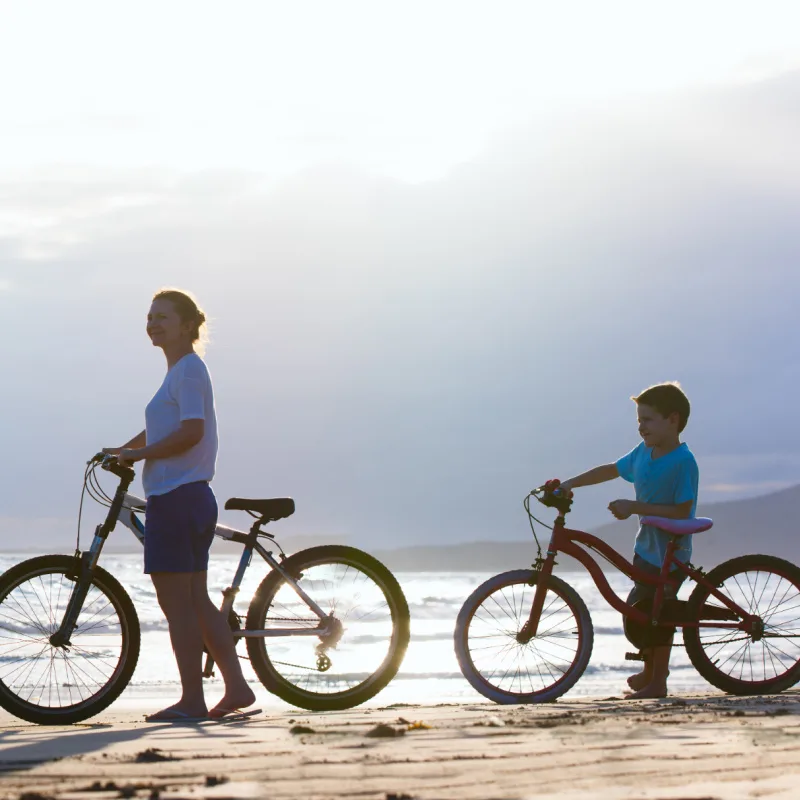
(522, 582)
(20, 617)
(274, 593)
(714, 652)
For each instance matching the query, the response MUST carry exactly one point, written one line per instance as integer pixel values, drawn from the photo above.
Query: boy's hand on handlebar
(621, 509)
(112, 451)
(555, 486)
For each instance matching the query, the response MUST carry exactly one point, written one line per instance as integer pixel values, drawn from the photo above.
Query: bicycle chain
(286, 663)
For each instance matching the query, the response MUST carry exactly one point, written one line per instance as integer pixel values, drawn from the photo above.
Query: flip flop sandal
(233, 714)
(172, 715)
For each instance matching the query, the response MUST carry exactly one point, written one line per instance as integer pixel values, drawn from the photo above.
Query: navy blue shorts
(642, 596)
(179, 528)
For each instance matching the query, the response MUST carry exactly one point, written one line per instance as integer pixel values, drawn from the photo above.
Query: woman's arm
(187, 436)
(140, 440)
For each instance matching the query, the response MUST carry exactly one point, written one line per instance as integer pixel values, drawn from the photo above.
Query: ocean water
(429, 673)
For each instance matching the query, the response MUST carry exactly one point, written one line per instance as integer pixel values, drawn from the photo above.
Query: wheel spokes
(358, 602)
(57, 677)
(764, 657)
(522, 667)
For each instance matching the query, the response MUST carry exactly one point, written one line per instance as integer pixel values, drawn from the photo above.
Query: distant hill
(768, 524)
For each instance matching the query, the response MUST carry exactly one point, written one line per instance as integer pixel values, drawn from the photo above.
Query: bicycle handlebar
(111, 464)
(552, 496)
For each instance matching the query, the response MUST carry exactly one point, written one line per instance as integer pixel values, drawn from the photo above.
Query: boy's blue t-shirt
(669, 480)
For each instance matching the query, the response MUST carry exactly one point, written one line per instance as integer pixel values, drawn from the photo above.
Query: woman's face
(164, 326)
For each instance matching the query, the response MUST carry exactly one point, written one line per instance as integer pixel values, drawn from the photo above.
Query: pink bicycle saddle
(681, 527)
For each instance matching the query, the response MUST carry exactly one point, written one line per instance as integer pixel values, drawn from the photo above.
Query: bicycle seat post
(658, 600)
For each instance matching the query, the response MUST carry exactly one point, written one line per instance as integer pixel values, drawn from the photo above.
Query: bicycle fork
(529, 629)
(84, 567)
(86, 562)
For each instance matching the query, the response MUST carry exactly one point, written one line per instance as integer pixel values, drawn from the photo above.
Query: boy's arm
(606, 472)
(622, 509)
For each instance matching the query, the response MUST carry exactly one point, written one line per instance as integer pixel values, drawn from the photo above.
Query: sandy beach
(687, 747)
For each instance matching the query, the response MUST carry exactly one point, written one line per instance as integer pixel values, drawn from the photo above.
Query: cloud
(407, 360)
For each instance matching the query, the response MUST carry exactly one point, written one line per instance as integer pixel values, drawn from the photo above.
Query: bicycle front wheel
(765, 661)
(508, 671)
(61, 685)
(367, 629)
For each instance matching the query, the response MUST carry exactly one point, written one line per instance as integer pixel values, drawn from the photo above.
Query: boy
(665, 476)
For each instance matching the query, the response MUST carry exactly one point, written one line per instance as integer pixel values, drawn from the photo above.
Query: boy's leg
(657, 684)
(652, 680)
(643, 678)
(640, 596)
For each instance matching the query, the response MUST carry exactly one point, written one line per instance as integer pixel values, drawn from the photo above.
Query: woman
(179, 448)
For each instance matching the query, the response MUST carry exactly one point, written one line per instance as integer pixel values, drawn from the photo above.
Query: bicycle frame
(123, 509)
(566, 540)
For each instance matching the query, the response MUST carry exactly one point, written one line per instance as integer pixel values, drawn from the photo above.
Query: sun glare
(405, 90)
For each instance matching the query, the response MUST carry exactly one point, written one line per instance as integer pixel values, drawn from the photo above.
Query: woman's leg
(219, 641)
(174, 591)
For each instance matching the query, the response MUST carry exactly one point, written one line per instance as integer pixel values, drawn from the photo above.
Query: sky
(440, 245)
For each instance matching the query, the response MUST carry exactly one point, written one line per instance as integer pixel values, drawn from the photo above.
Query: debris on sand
(152, 755)
(99, 786)
(297, 729)
(490, 722)
(383, 731)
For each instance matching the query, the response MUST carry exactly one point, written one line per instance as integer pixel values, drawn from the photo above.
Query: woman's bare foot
(651, 691)
(232, 701)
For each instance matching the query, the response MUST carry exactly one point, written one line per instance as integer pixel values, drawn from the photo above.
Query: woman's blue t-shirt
(669, 480)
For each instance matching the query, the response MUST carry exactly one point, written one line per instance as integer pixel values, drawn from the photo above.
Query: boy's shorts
(179, 528)
(642, 596)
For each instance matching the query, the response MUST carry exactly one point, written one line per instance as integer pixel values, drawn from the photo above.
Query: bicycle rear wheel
(369, 629)
(62, 685)
(767, 661)
(538, 671)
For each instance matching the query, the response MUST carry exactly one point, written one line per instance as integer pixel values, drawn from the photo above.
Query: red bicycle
(526, 636)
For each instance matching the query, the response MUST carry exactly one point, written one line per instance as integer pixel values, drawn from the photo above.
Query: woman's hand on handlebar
(128, 456)
(125, 456)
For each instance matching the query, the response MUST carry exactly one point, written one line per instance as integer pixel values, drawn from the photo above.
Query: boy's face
(655, 429)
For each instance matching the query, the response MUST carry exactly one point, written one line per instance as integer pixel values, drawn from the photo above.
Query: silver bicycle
(327, 628)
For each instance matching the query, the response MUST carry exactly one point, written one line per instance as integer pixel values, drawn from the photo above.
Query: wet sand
(687, 747)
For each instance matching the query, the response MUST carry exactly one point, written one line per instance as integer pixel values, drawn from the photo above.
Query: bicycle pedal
(634, 657)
